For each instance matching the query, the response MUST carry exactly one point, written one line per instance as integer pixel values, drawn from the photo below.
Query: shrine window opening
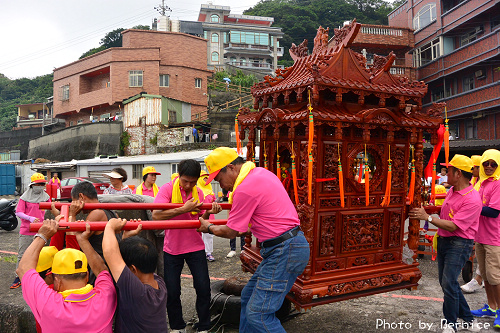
(349, 97)
(425, 16)
(371, 100)
(361, 164)
(391, 102)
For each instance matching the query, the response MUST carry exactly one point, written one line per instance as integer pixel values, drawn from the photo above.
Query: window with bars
(137, 171)
(197, 83)
(64, 92)
(427, 53)
(135, 78)
(164, 80)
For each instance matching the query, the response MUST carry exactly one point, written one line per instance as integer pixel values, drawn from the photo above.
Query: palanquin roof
(339, 67)
(340, 70)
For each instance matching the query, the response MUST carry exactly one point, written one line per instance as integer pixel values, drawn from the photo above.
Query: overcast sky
(40, 35)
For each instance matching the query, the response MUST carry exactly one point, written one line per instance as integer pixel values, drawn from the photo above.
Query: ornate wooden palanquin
(355, 250)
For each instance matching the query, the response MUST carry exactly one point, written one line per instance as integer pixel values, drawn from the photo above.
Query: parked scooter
(8, 218)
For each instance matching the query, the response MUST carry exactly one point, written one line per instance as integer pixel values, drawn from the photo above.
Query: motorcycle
(8, 218)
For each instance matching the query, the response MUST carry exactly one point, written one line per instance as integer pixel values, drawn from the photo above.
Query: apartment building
(167, 64)
(457, 54)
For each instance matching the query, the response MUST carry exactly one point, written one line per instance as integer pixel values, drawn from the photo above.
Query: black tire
(11, 225)
(467, 273)
(226, 308)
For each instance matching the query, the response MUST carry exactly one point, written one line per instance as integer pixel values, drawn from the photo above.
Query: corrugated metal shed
(147, 106)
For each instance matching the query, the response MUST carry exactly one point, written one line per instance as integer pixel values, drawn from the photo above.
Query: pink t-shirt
(31, 210)
(489, 227)
(146, 191)
(57, 182)
(261, 200)
(462, 208)
(209, 199)
(180, 241)
(84, 313)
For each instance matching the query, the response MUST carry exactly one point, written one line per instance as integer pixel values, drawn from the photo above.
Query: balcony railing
(376, 30)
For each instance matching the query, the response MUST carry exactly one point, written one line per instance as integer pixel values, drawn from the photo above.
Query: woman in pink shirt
(29, 211)
(488, 234)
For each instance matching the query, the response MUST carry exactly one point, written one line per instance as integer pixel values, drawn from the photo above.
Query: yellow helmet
(37, 178)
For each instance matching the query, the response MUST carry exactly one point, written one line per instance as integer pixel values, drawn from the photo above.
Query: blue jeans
(452, 254)
(232, 243)
(265, 292)
(197, 263)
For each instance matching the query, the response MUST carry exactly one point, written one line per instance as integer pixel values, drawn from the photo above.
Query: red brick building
(457, 54)
(168, 64)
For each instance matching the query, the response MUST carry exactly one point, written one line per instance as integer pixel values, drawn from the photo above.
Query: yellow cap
(217, 159)
(69, 261)
(461, 162)
(37, 178)
(149, 169)
(476, 160)
(45, 258)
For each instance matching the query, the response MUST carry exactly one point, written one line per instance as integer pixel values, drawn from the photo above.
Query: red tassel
(411, 192)
(309, 179)
(341, 185)
(446, 138)
(387, 196)
(238, 141)
(367, 185)
(433, 185)
(278, 167)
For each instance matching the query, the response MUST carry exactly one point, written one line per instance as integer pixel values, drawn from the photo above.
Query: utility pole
(162, 9)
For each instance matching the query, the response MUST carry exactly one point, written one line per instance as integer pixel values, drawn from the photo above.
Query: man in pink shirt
(73, 305)
(185, 245)
(458, 223)
(261, 205)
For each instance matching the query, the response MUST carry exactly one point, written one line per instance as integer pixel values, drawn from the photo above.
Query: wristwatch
(208, 229)
(429, 218)
(41, 236)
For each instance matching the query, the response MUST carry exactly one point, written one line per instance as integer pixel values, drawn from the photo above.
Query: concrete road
(400, 311)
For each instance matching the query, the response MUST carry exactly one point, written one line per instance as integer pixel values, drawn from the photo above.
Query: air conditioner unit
(478, 115)
(480, 74)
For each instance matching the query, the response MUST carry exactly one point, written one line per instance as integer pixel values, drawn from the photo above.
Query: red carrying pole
(130, 205)
(131, 225)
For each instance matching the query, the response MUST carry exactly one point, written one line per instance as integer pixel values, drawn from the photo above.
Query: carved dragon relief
(299, 51)
(321, 40)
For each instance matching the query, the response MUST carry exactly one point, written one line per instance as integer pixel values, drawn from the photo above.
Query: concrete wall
(79, 142)
(19, 140)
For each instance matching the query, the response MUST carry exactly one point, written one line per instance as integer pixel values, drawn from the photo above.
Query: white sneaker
(471, 327)
(231, 254)
(178, 331)
(471, 286)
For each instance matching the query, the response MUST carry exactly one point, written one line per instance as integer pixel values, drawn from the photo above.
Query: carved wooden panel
(361, 201)
(362, 231)
(354, 286)
(327, 235)
(331, 166)
(396, 221)
(399, 167)
(387, 257)
(368, 259)
(330, 265)
(329, 203)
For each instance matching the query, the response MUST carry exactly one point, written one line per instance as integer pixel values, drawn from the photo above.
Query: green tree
(112, 39)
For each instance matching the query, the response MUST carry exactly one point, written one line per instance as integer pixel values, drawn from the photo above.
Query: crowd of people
(469, 217)
(105, 281)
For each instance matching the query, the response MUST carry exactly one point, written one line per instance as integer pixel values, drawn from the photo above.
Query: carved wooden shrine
(360, 113)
